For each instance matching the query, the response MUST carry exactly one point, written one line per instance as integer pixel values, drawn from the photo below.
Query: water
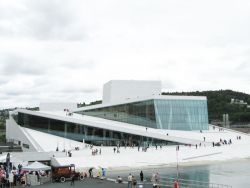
(236, 173)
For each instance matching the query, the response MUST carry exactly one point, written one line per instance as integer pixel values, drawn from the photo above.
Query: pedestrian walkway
(87, 183)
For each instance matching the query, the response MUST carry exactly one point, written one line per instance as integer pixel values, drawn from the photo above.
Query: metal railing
(184, 183)
(169, 182)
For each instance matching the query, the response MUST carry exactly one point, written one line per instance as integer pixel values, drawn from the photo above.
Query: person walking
(157, 178)
(176, 184)
(134, 182)
(72, 183)
(23, 180)
(90, 172)
(141, 176)
(103, 172)
(129, 181)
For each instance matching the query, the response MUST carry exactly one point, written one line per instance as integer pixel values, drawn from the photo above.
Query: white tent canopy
(36, 166)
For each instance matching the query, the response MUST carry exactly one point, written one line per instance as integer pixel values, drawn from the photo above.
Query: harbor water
(233, 173)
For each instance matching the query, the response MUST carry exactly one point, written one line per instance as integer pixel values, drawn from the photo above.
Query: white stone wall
(16, 133)
(122, 90)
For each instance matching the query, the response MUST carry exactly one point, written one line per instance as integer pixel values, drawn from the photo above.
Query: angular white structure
(132, 114)
(122, 90)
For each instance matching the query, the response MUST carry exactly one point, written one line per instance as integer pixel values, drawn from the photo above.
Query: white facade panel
(122, 90)
(49, 106)
(15, 132)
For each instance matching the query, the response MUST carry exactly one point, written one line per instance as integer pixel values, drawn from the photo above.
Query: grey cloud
(14, 93)
(4, 97)
(167, 84)
(13, 64)
(244, 66)
(79, 90)
(79, 64)
(17, 91)
(3, 80)
(43, 20)
(51, 20)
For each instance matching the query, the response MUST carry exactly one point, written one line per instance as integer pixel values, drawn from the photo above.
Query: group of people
(144, 149)
(17, 176)
(132, 182)
(221, 129)
(101, 173)
(68, 113)
(96, 151)
(116, 149)
(156, 178)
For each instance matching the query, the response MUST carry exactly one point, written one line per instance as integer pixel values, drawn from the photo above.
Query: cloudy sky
(64, 50)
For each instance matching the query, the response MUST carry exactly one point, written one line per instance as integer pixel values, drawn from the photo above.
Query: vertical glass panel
(181, 114)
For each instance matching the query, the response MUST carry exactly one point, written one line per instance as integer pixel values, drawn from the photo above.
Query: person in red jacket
(176, 184)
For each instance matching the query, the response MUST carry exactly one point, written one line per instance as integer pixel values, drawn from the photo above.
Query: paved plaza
(88, 183)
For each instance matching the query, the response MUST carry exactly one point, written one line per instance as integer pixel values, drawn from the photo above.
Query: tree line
(219, 103)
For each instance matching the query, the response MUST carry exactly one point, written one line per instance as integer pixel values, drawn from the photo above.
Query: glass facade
(158, 113)
(78, 132)
(139, 113)
(181, 114)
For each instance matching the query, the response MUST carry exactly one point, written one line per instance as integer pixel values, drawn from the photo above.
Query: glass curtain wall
(181, 114)
(91, 135)
(138, 113)
(159, 113)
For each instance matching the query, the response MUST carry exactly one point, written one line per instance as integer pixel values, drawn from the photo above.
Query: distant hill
(219, 102)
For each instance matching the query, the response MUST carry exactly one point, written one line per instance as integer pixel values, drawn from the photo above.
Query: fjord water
(234, 173)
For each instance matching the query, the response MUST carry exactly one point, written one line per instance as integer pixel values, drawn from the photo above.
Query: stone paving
(88, 183)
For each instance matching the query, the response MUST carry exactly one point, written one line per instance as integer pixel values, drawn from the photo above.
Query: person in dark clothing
(141, 176)
(72, 180)
(90, 172)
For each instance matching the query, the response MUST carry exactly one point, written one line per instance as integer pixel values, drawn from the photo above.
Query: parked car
(63, 173)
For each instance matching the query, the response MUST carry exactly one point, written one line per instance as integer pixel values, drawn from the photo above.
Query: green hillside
(219, 103)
